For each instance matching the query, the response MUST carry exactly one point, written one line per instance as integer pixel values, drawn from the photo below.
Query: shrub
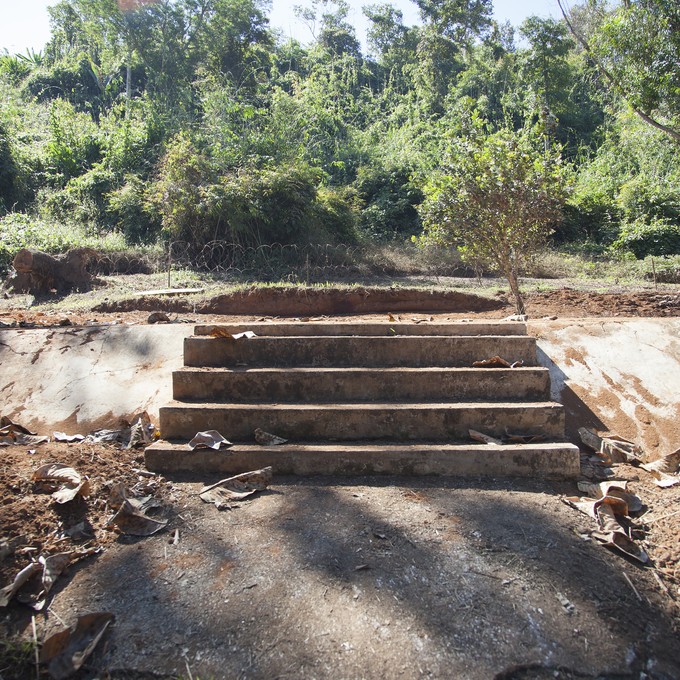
(655, 237)
(84, 199)
(389, 202)
(130, 212)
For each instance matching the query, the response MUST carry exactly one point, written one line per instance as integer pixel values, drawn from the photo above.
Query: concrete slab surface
(622, 375)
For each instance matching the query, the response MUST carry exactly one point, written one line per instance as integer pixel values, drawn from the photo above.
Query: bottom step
(554, 460)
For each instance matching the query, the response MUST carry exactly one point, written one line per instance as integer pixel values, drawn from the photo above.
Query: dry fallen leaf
(483, 438)
(493, 362)
(132, 521)
(220, 332)
(210, 439)
(62, 437)
(142, 431)
(268, 439)
(8, 592)
(665, 469)
(66, 651)
(612, 488)
(224, 492)
(71, 482)
(7, 427)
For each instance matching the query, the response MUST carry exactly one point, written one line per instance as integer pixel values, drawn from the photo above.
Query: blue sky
(25, 24)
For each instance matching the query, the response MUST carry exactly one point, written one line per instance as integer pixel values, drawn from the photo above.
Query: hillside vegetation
(147, 122)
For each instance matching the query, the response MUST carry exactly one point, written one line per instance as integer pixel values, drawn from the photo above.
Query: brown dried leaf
(142, 431)
(483, 438)
(131, 520)
(71, 481)
(52, 567)
(220, 332)
(62, 437)
(493, 362)
(224, 492)
(11, 428)
(66, 651)
(612, 488)
(669, 464)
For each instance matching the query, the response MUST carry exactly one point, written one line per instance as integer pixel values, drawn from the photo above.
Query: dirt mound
(567, 302)
(297, 301)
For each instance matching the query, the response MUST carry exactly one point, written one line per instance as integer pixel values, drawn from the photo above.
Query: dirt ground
(345, 578)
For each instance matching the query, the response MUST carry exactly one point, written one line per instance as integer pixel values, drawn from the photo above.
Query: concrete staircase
(363, 398)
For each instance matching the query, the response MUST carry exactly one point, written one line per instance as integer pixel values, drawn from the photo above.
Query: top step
(379, 328)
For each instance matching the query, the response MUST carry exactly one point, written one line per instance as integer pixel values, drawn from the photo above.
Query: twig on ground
(630, 583)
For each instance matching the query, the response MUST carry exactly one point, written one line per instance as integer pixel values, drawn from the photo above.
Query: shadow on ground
(371, 577)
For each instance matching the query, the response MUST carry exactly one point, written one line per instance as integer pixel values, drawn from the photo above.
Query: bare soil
(347, 578)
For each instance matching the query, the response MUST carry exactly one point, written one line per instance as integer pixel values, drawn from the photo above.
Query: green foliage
(642, 238)
(8, 171)
(639, 43)
(83, 199)
(71, 79)
(13, 68)
(130, 212)
(496, 199)
(388, 202)
(73, 144)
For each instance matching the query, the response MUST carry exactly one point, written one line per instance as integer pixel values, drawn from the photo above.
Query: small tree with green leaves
(496, 199)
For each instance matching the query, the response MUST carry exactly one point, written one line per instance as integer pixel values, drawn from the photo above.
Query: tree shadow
(382, 576)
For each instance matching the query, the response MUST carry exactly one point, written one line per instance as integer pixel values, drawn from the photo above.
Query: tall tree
(636, 46)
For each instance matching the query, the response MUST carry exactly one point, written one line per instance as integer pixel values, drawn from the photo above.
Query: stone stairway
(364, 398)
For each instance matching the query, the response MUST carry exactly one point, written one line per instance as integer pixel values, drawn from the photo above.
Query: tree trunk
(514, 288)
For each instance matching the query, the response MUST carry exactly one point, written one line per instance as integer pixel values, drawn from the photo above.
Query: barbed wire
(277, 261)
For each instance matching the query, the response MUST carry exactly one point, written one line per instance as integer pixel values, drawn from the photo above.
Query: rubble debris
(66, 651)
(209, 439)
(267, 439)
(223, 493)
(70, 482)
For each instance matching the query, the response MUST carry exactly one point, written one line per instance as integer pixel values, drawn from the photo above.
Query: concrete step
(544, 460)
(377, 328)
(304, 385)
(366, 351)
(395, 422)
